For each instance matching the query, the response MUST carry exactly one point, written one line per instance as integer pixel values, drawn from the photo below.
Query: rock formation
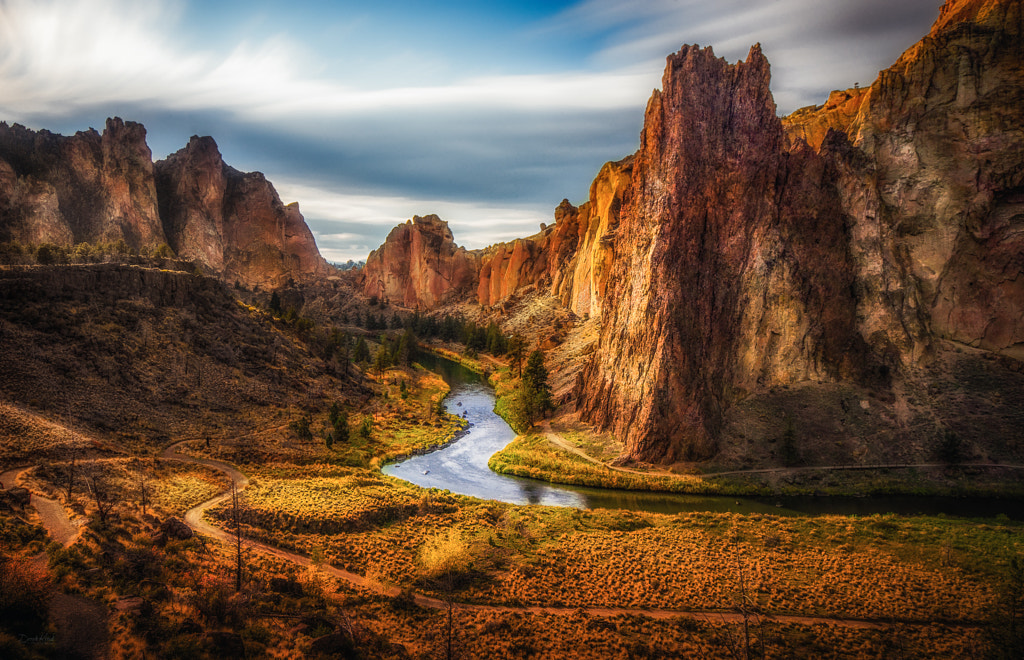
(233, 222)
(83, 188)
(739, 252)
(419, 265)
(748, 258)
(571, 259)
(730, 268)
(92, 188)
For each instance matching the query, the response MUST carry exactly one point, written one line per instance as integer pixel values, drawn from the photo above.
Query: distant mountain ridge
(100, 188)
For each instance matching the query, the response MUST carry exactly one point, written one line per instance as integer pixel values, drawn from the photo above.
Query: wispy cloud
(59, 56)
(814, 45)
(491, 148)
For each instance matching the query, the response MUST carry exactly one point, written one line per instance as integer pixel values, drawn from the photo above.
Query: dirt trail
(81, 623)
(194, 517)
(9, 478)
(559, 441)
(51, 512)
(55, 520)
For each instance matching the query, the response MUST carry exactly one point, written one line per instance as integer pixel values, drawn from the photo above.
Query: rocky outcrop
(192, 185)
(835, 245)
(419, 265)
(730, 268)
(84, 188)
(233, 222)
(92, 188)
(571, 259)
(937, 194)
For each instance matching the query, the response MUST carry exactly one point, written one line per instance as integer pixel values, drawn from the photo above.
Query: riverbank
(534, 456)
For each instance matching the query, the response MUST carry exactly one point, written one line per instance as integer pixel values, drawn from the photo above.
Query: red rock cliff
(730, 268)
(937, 200)
(746, 258)
(571, 259)
(83, 188)
(233, 222)
(96, 188)
(419, 265)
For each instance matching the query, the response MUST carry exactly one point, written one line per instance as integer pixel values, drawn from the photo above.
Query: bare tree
(70, 471)
(100, 497)
(237, 519)
(751, 640)
(143, 493)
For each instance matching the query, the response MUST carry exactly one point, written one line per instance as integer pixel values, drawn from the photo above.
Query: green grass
(534, 457)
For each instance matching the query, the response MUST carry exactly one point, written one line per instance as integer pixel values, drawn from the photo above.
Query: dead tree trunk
(238, 537)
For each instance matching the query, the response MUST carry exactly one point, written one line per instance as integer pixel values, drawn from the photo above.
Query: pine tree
(361, 352)
(516, 349)
(533, 395)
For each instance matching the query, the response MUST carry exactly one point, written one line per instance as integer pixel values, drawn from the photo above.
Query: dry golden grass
(172, 488)
(26, 436)
(915, 569)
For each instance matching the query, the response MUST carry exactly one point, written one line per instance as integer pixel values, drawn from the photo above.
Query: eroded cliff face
(937, 197)
(84, 188)
(571, 259)
(730, 271)
(233, 222)
(419, 265)
(96, 188)
(833, 246)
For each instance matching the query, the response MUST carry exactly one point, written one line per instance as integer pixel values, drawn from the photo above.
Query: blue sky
(486, 113)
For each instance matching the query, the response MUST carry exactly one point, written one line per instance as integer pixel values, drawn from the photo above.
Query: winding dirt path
(194, 518)
(51, 512)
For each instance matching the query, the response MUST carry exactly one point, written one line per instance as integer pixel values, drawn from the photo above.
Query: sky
(367, 113)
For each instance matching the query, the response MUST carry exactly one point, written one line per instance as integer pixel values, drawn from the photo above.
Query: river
(461, 468)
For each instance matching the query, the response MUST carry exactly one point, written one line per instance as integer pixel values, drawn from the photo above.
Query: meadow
(887, 568)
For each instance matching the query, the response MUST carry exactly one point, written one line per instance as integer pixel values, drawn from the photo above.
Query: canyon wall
(737, 252)
(233, 222)
(103, 188)
(731, 270)
(835, 245)
(84, 188)
(419, 266)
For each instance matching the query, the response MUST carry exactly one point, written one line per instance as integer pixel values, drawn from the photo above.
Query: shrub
(24, 596)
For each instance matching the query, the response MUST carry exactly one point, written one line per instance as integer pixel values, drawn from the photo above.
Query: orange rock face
(730, 269)
(96, 188)
(834, 245)
(571, 259)
(936, 202)
(233, 222)
(419, 266)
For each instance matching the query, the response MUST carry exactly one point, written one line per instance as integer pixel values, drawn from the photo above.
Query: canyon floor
(337, 558)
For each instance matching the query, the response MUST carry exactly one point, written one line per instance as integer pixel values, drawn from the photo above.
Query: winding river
(461, 468)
